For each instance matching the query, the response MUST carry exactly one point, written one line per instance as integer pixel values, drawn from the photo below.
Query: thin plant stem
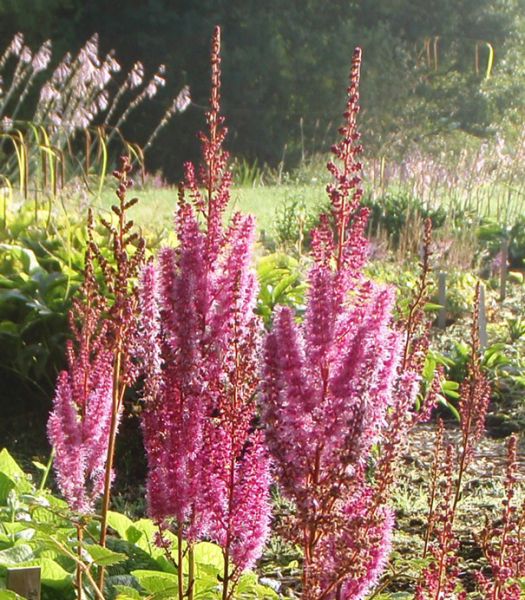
(80, 537)
(49, 465)
(180, 558)
(84, 568)
(191, 572)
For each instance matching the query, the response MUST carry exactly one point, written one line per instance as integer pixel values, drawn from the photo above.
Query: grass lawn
(156, 206)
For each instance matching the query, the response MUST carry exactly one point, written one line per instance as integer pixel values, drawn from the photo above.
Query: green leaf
(206, 553)
(12, 476)
(16, 555)
(154, 582)
(249, 587)
(9, 595)
(133, 534)
(431, 307)
(53, 575)
(147, 541)
(120, 523)
(125, 592)
(27, 257)
(103, 556)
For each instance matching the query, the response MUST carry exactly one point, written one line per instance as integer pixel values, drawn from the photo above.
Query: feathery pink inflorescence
(78, 426)
(329, 384)
(208, 464)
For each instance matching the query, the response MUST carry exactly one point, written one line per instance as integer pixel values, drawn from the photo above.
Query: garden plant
(281, 397)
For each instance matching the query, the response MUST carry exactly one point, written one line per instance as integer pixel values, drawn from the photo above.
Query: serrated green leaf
(155, 582)
(125, 592)
(119, 522)
(11, 474)
(104, 556)
(16, 555)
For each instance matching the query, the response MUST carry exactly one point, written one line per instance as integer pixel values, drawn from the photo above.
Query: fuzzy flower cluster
(208, 466)
(79, 424)
(328, 386)
(89, 395)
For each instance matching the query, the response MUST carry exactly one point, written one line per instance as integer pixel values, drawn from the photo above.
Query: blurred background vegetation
(446, 72)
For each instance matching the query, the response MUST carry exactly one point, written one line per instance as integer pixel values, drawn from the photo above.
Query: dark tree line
(285, 65)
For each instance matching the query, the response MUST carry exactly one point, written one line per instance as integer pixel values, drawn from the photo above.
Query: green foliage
(293, 223)
(280, 283)
(37, 529)
(40, 268)
(391, 212)
(492, 233)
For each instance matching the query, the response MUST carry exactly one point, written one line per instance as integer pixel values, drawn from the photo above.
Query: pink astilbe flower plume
(79, 424)
(208, 464)
(328, 387)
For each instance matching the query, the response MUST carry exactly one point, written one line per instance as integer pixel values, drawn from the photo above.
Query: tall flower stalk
(208, 469)
(440, 579)
(503, 543)
(89, 394)
(120, 275)
(80, 421)
(328, 388)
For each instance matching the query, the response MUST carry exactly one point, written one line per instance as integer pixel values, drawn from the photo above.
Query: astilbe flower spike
(79, 424)
(208, 465)
(503, 544)
(439, 580)
(89, 395)
(328, 390)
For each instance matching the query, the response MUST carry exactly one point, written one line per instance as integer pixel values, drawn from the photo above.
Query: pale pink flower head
(78, 429)
(42, 57)
(136, 75)
(182, 101)
(17, 44)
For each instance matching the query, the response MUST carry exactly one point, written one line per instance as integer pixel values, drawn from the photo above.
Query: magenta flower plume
(329, 384)
(208, 464)
(79, 424)
(364, 534)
